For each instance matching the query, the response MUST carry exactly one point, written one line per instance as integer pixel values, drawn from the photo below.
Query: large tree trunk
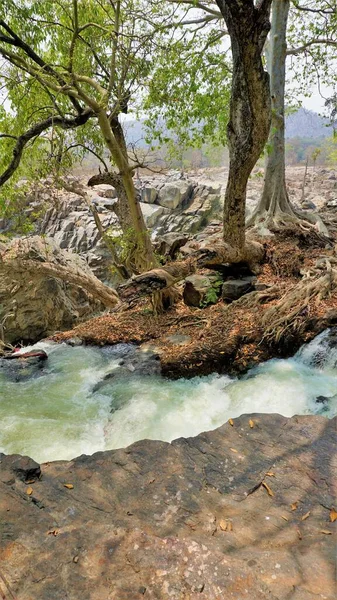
(250, 109)
(141, 256)
(274, 208)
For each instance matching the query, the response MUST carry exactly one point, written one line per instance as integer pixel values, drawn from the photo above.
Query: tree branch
(35, 131)
(327, 42)
(313, 10)
(15, 40)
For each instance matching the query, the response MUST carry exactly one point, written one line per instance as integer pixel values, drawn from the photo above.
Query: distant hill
(307, 124)
(303, 124)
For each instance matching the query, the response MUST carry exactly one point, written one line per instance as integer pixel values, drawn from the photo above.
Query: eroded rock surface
(33, 305)
(239, 512)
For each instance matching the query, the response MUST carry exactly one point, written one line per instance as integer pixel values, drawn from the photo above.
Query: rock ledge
(239, 512)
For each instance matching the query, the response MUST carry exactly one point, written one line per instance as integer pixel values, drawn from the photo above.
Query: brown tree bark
(274, 209)
(250, 109)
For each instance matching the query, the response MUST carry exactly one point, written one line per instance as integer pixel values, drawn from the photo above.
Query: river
(60, 414)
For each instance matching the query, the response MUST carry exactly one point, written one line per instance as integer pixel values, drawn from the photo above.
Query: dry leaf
(270, 474)
(69, 486)
(231, 422)
(326, 531)
(233, 450)
(229, 526)
(285, 518)
(223, 525)
(29, 491)
(299, 534)
(251, 423)
(30, 481)
(53, 532)
(333, 515)
(305, 516)
(270, 492)
(294, 506)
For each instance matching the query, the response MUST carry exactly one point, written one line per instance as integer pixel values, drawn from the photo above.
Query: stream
(63, 410)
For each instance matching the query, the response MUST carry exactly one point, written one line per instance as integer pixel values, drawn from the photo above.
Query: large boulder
(172, 195)
(151, 213)
(34, 305)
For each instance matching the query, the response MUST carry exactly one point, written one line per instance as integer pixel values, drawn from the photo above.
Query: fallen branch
(213, 252)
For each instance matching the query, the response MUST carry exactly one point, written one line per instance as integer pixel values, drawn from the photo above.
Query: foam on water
(58, 415)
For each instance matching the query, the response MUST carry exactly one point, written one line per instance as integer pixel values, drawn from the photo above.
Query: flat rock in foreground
(240, 512)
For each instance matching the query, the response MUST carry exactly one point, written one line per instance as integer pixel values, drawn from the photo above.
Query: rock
(35, 356)
(190, 519)
(74, 341)
(148, 194)
(317, 201)
(22, 366)
(136, 362)
(322, 400)
(24, 468)
(172, 195)
(308, 205)
(169, 244)
(151, 213)
(233, 289)
(35, 306)
(332, 204)
(105, 191)
(200, 290)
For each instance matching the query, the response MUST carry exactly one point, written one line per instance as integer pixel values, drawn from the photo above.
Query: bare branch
(313, 42)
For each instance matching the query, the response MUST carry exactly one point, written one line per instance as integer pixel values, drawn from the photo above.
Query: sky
(316, 102)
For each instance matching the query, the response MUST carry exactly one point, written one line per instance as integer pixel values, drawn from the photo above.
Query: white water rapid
(58, 415)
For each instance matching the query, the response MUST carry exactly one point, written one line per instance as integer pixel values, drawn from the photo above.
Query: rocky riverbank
(245, 511)
(227, 336)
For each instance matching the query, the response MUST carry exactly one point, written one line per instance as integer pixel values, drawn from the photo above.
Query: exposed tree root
(287, 314)
(295, 221)
(214, 252)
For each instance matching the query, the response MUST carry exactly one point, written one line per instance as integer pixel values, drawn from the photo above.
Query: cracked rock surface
(243, 511)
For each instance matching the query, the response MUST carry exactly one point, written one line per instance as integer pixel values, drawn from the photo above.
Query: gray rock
(308, 205)
(74, 341)
(170, 243)
(148, 194)
(174, 194)
(233, 289)
(35, 307)
(151, 213)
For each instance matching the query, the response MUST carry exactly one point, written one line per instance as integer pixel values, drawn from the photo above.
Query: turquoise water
(58, 415)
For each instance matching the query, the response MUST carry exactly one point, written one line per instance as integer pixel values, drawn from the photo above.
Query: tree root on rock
(316, 285)
(294, 221)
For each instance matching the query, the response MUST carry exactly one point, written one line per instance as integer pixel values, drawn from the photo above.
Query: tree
(72, 93)
(248, 128)
(274, 209)
(247, 132)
